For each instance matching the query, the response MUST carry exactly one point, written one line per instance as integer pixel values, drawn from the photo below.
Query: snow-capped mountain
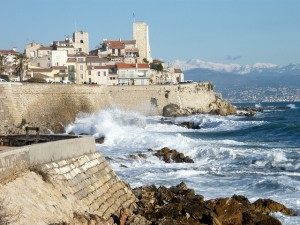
(236, 68)
(240, 76)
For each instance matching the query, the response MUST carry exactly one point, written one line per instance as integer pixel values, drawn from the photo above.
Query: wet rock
(250, 218)
(180, 205)
(139, 155)
(169, 156)
(251, 109)
(269, 206)
(189, 125)
(100, 140)
(172, 110)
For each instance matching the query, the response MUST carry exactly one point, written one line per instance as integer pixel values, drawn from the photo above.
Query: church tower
(141, 35)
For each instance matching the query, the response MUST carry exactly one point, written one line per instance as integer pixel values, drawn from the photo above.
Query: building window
(123, 73)
(131, 73)
(48, 64)
(80, 49)
(104, 73)
(90, 72)
(99, 74)
(80, 59)
(39, 65)
(81, 67)
(113, 51)
(81, 76)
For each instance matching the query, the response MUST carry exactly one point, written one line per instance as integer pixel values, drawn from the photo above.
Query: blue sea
(258, 157)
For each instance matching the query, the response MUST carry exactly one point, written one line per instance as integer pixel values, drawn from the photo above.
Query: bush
(36, 80)
(5, 77)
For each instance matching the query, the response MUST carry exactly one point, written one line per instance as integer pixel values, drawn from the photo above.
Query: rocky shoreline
(178, 205)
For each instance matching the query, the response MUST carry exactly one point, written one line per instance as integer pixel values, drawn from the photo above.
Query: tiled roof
(59, 67)
(7, 52)
(40, 70)
(96, 59)
(129, 42)
(177, 71)
(45, 48)
(114, 44)
(132, 66)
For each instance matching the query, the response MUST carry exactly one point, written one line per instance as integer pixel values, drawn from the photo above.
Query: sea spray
(257, 157)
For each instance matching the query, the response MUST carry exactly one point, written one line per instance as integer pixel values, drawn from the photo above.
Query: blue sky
(225, 31)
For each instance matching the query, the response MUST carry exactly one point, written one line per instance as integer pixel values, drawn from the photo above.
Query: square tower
(81, 41)
(141, 35)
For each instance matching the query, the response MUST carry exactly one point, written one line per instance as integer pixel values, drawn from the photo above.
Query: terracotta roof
(177, 71)
(114, 44)
(59, 67)
(7, 52)
(45, 48)
(40, 70)
(96, 59)
(132, 66)
(129, 42)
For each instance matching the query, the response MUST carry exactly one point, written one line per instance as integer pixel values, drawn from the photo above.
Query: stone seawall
(54, 106)
(76, 186)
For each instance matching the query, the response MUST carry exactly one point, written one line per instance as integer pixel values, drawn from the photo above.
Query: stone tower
(81, 41)
(141, 35)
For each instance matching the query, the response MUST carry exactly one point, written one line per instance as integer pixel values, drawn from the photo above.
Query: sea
(257, 157)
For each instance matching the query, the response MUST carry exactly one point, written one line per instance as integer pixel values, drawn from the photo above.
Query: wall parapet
(15, 161)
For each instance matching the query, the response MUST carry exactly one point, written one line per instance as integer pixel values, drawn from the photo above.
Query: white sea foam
(258, 105)
(224, 165)
(292, 106)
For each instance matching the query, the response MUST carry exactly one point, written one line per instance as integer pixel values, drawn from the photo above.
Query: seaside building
(133, 74)
(7, 64)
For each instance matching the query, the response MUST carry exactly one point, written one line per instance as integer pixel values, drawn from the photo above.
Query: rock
(189, 125)
(100, 140)
(169, 156)
(172, 110)
(269, 206)
(250, 218)
(139, 155)
(180, 205)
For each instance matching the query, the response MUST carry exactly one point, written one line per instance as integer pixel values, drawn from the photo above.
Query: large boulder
(269, 206)
(169, 156)
(172, 110)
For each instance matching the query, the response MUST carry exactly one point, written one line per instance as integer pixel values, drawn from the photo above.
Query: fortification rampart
(54, 106)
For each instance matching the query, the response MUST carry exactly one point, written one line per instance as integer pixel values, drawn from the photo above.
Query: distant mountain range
(241, 76)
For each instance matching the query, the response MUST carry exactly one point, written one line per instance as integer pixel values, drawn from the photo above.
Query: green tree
(156, 66)
(21, 62)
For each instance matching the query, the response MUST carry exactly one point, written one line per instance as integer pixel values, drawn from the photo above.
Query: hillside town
(68, 61)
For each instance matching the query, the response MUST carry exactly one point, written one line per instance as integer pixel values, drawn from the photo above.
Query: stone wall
(76, 186)
(54, 106)
(8, 107)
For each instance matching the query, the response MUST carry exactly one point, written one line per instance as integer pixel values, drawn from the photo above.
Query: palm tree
(2, 63)
(21, 61)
